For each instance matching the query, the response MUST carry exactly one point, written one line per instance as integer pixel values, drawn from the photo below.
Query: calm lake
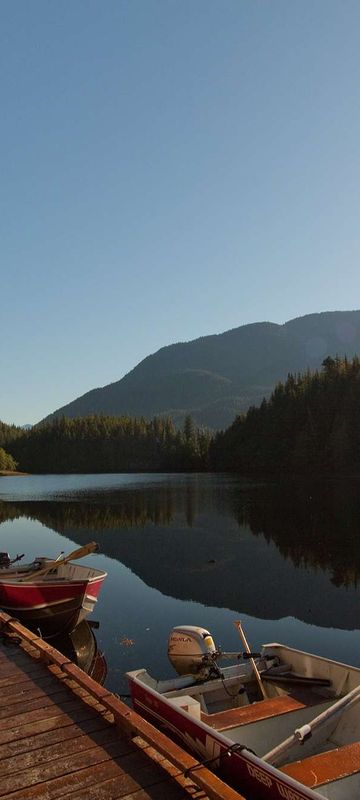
(204, 550)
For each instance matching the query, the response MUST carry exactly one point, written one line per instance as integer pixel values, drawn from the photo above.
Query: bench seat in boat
(263, 709)
(325, 767)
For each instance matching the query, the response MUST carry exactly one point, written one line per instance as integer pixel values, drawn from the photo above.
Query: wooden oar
(300, 735)
(256, 672)
(91, 547)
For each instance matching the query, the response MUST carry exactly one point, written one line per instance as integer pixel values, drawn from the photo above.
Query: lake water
(204, 550)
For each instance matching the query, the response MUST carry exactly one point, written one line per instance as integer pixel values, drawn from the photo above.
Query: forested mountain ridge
(215, 377)
(310, 425)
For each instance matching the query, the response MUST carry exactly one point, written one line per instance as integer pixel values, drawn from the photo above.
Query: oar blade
(81, 552)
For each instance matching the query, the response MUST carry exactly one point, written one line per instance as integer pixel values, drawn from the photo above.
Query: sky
(169, 169)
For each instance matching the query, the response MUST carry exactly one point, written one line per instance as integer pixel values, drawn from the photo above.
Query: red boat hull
(51, 607)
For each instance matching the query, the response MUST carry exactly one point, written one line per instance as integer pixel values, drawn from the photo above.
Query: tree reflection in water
(272, 550)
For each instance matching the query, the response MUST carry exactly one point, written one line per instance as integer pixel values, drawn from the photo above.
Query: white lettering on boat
(288, 792)
(263, 777)
(259, 775)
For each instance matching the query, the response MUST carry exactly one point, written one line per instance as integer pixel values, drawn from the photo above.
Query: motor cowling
(192, 651)
(5, 560)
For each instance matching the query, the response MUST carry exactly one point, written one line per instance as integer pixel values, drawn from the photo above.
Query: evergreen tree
(7, 462)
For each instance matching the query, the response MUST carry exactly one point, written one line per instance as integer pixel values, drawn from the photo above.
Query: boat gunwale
(55, 579)
(314, 656)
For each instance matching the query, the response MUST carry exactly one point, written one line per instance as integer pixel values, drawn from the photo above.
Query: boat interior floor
(263, 709)
(326, 767)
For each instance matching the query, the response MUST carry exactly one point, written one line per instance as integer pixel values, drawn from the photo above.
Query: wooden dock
(62, 735)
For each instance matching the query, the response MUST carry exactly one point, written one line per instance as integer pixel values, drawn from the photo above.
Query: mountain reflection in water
(269, 550)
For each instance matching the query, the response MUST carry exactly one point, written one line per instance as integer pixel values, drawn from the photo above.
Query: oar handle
(256, 672)
(80, 552)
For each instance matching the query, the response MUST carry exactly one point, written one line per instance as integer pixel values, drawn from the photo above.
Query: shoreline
(5, 473)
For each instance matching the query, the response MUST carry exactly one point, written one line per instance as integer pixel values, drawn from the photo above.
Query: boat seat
(326, 767)
(263, 709)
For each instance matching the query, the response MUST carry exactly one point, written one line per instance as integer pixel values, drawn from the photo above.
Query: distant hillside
(216, 377)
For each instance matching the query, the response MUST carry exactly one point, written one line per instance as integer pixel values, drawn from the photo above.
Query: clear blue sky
(169, 169)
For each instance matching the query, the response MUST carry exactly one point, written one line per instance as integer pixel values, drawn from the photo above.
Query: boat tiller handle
(246, 656)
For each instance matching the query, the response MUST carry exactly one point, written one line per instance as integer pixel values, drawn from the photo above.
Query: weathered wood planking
(64, 736)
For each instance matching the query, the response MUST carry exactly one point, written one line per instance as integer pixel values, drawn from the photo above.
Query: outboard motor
(4, 560)
(192, 651)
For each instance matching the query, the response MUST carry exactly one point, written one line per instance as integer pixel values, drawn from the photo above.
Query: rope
(234, 748)
(204, 763)
(231, 694)
(237, 748)
(7, 637)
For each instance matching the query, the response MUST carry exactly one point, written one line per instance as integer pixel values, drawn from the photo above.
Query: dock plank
(59, 750)
(130, 774)
(9, 676)
(28, 684)
(46, 712)
(14, 709)
(53, 723)
(40, 739)
(74, 765)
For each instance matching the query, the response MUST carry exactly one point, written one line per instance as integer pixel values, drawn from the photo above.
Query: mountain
(215, 377)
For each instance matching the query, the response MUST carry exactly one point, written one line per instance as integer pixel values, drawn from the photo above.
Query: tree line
(310, 424)
(107, 444)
